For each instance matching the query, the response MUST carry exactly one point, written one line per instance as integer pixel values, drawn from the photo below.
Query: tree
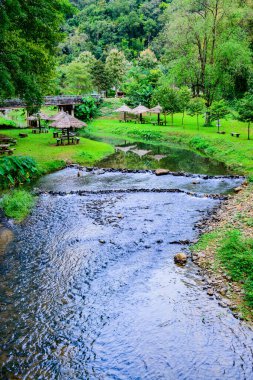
(219, 110)
(30, 33)
(206, 46)
(115, 67)
(245, 110)
(88, 59)
(168, 98)
(100, 78)
(147, 59)
(184, 98)
(139, 85)
(78, 80)
(196, 107)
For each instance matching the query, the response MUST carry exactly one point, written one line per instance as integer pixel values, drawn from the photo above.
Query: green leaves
(15, 171)
(30, 33)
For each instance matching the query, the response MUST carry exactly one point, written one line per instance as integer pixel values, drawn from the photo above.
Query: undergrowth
(236, 255)
(17, 204)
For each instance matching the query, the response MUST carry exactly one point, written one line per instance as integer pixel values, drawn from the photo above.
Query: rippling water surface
(89, 289)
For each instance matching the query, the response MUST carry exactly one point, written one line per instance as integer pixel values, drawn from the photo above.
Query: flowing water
(89, 288)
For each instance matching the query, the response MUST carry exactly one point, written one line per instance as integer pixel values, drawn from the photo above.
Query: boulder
(161, 172)
(238, 189)
(180, 258)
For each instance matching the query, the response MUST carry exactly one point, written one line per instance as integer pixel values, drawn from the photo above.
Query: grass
(17, 204)
(236, 153)
(236, 255)
(42, 147)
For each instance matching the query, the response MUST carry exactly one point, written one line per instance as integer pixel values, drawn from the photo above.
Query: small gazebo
(124, 109)
(157, 110)
(140, 110)
(67, 122)
(38, 117)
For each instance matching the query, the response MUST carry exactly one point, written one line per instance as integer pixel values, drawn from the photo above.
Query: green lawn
(237, 153)
(42, 147)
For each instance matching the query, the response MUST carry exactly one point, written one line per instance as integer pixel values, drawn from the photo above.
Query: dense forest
(145, 48)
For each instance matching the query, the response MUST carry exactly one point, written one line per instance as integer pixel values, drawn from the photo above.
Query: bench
(235, 134)
(34, 130)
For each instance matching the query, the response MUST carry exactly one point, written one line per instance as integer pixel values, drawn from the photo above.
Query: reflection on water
(89, 290)
(166, 157)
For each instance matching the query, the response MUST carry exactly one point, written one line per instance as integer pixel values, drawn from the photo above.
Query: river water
(89, 288)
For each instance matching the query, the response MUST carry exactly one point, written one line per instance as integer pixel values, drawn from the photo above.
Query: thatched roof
(68, 121)
(124, 108)
(140, 109)
(156, 109)
(58, 116)
(40, 115)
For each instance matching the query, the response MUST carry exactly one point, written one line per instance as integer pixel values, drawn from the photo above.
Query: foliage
(100, 78)
(128, 25)
(30, 34)
(6, 123)
(196, 107)
(206, 46)
(236, 254)
(115, 67)
(245, 110)
(88, 109)
(168, 97)
(141, 80)
(17, 204)
(77, 79)
(15, 171)
(184, 99)
(219, 110)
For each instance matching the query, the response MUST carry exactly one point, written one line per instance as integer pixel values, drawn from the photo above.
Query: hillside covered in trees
(101, 25)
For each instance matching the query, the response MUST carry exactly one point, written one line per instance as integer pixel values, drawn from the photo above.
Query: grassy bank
(236, 153)
(42, 147)
(17, 204)
(225, 252)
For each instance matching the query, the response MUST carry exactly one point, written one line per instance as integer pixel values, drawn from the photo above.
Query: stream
(89, 288)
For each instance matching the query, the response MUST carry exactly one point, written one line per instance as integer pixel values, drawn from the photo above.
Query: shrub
(17, 204)
(236, 255)
(88, 109)
(15, 171)
(199, 143)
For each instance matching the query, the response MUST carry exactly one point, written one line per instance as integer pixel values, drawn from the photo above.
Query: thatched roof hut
(140, 110)
(124, 108)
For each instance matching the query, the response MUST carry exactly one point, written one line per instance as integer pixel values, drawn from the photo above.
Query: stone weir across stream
(89, 288)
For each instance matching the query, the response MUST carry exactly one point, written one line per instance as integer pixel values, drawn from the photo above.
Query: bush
(88, 109)
(18, 204)
(236, 255)
(15, 171)
(199, 143)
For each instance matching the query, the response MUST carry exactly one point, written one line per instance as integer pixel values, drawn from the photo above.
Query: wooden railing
(60, 100)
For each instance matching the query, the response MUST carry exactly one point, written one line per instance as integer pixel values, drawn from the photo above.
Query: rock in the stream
(238, 189)
(161, 171)
(101, 241)
(180, 258)
(6, 236)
